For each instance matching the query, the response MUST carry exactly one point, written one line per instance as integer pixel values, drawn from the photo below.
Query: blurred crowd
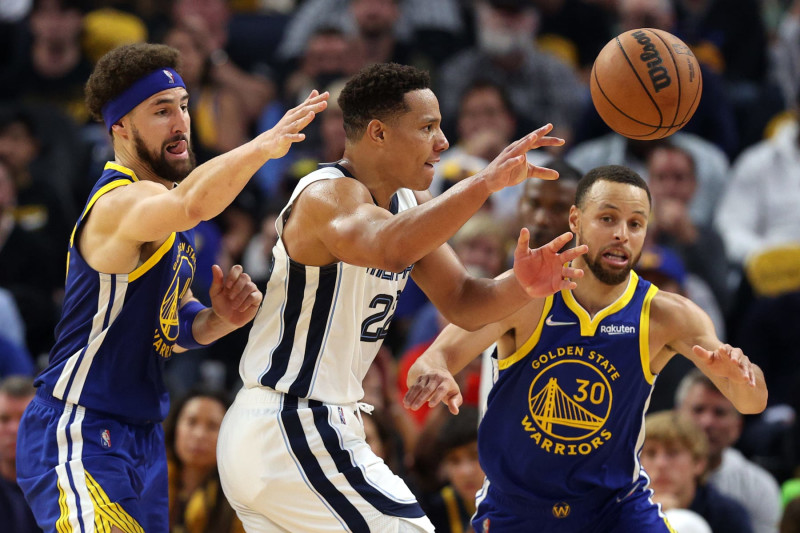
(724, 231)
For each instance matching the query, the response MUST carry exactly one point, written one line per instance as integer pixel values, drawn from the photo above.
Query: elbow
(462, 320)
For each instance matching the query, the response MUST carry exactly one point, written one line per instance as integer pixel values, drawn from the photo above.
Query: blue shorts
(633, 512)
(83, 471)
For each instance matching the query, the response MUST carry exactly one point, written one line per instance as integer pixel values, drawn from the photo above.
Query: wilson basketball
(646, 84)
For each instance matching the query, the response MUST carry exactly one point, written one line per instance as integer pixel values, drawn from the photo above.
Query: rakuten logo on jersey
(614, 329)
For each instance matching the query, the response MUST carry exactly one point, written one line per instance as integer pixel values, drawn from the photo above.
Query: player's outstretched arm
(149, 212)
(430, 379)
(691, 333)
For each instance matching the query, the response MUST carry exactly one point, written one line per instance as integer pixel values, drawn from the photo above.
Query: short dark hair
(483, 84)
(613, 173)
(378, 92)
(458, 430)
(566, 172)
(122, 67)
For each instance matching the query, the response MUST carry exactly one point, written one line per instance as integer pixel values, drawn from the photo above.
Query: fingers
(216, 280)
(569, 272)
(568, 255)
(559, 242)
(543, 173)
(432, 388)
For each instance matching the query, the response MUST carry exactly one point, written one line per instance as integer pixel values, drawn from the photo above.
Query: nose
(441, 143)
(621, 232)
(181, 123)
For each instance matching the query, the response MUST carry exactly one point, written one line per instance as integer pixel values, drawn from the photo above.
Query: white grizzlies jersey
(319, 328)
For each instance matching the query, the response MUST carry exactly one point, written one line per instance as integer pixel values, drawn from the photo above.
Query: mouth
(431, 163)
(616, 257)
(178, 149)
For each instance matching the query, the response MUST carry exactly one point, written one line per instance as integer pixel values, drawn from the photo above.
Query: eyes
(163, 111)
(610, 219)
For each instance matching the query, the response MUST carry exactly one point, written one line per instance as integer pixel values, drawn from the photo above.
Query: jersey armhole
(528, 345)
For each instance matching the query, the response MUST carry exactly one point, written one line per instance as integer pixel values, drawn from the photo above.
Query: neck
(8, 469)
(593, 294)
(714, 461)
(686, 497)
(371, 176)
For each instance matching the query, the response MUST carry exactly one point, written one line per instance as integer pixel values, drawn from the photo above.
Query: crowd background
(725, 229)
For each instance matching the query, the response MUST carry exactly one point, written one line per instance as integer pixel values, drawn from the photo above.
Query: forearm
(212, 186)
(413, 234)
(483, 301)
(209, 327)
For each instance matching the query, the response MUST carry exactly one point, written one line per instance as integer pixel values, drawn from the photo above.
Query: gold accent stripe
(453, 516)
(644, 334)
(153, 259)
(526, 348)
(62, 524)
(120, 168)
(589, 324)
(100, 192)
(113, 514)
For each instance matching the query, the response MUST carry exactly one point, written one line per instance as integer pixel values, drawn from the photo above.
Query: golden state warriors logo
(561, 510)
(569, 402)
(183, 273)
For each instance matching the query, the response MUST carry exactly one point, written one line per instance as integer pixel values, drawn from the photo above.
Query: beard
(170, 171)
(605, 274)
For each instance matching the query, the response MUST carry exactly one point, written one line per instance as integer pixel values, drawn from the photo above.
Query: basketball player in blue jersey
(91, 448)
(291, 452)
(564, 425)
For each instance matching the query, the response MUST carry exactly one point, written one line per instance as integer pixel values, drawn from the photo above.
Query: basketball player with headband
(91, 453)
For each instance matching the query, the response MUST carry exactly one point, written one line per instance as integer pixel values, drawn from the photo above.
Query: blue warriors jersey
(565, 419)
(117, 330)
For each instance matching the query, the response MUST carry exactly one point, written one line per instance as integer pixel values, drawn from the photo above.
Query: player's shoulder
(330, 183)
(675, 312)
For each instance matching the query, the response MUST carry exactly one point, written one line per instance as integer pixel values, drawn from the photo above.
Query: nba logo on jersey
(485, 526)
(169, 75)
(561, 510)
(341, 415)
(105, 438)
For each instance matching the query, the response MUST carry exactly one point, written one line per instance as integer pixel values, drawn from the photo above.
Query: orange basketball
(646, 84)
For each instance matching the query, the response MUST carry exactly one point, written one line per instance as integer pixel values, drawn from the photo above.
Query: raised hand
(511, 166)
(430, 384)
(277, 140)
(544, 271)
(728, 362)
(234, 298)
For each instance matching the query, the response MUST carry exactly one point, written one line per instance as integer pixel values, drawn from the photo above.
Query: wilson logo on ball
(658, 74)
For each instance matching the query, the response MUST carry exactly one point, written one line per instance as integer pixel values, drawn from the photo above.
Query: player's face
(613, 223)
(483, 110)
(462, 468)
(196, 432)
(415, 141)
(672, 469)
(544, 209)
(11, 410)
(714, 413)
(671, 176)
(160, 131)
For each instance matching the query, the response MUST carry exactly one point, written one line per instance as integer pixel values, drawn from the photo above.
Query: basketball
(646, 84)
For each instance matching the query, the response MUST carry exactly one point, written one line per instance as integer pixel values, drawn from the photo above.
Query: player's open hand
(234, 298)
(544, 271)
(278, 140)
(728, 362)
(511, 166)
(430, 384)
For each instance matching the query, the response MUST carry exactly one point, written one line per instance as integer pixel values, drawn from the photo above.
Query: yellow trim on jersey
(108, 513)
(589, 324)
(62, 524)
(153, 259)
(100, 192)
(669, 526)
(450, 503)
(528, 345)
(120, 168)
(644, 334)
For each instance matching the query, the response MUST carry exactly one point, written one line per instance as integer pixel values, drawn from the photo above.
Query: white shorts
(292, 465)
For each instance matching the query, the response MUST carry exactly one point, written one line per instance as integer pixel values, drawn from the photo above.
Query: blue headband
(142, 89)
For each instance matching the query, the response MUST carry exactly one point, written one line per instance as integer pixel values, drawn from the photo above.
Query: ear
(376, 131)
(120, 129)
(574, 219)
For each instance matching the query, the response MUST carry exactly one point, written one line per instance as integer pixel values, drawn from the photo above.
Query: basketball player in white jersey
(291, 450)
